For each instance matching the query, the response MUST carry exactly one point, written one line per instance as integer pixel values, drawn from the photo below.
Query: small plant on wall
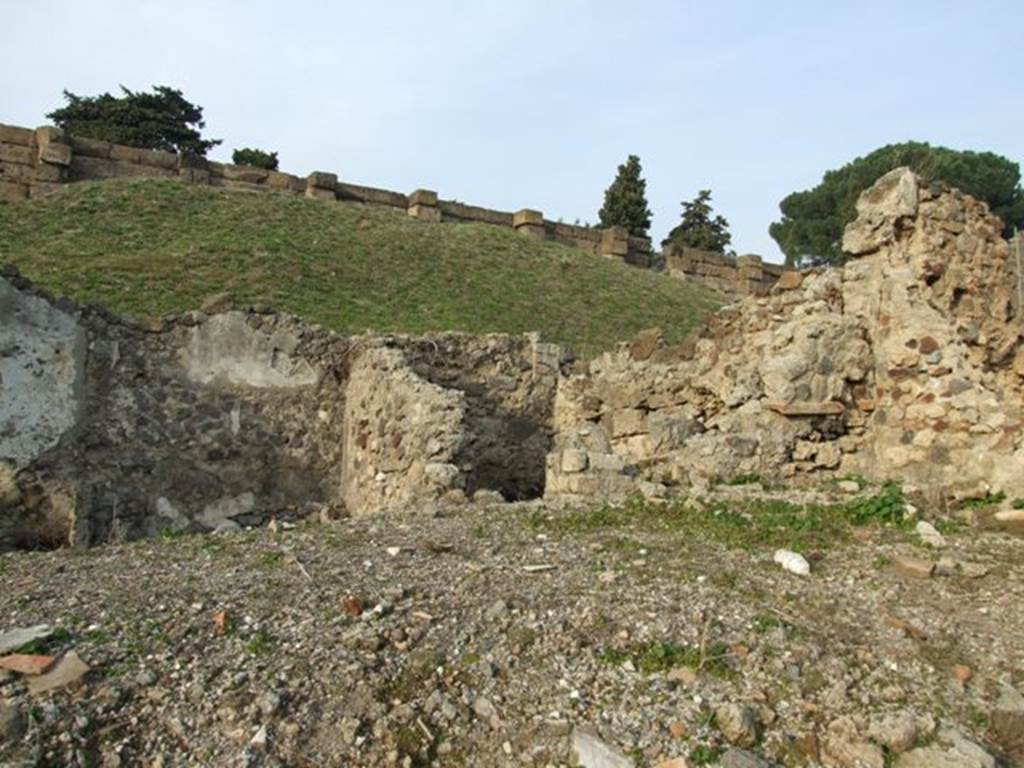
(255, 157)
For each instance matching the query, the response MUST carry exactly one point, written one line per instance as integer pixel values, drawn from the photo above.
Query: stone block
(285, 181)
(425, 213)
(158, 159)
(48, 172)
(529, 222)
(913, 567)
(790, 280)
(527, 217)
(90, 147)
(247, 173)
(14, 153)
(55, 153)
(629, 421)
(47, 133)
(12, 134)
(321, 184)
(615, 242)
(573, 460)
(606, 462)
(192, 161)
(125, 154)
(12, 190)
(16, 172)
(426, 197)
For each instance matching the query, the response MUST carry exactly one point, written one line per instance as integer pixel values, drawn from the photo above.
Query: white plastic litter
(792, 562)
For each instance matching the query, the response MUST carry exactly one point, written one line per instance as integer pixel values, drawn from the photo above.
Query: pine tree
(163, 119)
(698, 229)
(625, 201)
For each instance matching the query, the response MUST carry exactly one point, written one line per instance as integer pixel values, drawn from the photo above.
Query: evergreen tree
(255, 157)
(812, 222)
(625, 201)
(698, 229)
(163, 119)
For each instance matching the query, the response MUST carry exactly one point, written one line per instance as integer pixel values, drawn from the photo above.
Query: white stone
(793, 562)
(591, 752)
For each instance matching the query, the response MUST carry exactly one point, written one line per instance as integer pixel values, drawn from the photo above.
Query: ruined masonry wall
(112, 429)
(908, 363)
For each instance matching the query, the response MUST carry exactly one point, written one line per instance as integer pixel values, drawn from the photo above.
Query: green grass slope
(156, 247)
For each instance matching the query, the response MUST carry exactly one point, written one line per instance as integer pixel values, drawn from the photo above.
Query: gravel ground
(494, 636)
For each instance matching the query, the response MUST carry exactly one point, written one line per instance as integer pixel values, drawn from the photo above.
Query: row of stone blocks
(34, 162)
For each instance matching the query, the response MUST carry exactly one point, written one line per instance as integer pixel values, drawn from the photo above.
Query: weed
(657, 656)
(764, 623)
(988, 500)
(886, 507)
(705, 755)
(273, 558)
(48, 645)
(1018, 503)
(261, 643)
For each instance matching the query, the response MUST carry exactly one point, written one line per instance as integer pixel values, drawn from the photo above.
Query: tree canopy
(812, 223)
(625, 201)
(255, 157)
(163, 119)
(698, 229)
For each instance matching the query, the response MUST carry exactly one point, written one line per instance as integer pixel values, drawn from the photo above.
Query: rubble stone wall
(907, 363)
(35, 162)
(115, 429)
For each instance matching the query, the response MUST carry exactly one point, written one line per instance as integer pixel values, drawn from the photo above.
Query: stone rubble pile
(907, 363)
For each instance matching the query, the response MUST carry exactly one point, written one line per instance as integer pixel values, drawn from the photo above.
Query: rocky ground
(521, 635)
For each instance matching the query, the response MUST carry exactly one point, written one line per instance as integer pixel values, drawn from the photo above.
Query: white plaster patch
(42, 362)
(226, 348)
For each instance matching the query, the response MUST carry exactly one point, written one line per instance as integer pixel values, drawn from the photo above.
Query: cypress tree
(625, 201)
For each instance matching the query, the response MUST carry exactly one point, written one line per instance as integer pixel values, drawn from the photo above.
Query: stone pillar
(53, 157)
(423, 205)
(750, 275)
(529, 222)
(322, 185)
(615, 243)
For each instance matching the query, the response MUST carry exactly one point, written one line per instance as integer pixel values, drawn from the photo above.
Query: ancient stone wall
(732, 275)
(36, 162)
(111, 428)
(907, 363)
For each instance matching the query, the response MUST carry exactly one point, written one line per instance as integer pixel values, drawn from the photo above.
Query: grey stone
(12, 720)
(14, 639)
(591, 752)
(951, 749)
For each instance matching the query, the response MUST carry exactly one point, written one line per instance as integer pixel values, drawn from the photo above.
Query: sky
(530, 104)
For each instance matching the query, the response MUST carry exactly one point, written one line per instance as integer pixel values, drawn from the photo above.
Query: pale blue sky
(534, 104)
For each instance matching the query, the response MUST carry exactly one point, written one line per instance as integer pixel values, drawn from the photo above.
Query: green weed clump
(742, 524)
